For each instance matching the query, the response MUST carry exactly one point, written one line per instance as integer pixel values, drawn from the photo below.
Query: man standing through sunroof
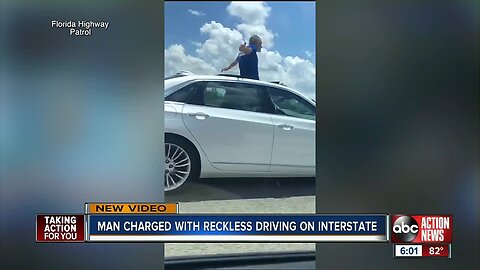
(247, 59)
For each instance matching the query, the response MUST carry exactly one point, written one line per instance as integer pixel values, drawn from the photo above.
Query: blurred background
(82, 120)
(397, 121)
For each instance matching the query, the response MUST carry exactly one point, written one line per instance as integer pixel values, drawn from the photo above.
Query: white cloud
(196, 12)
(300, 74)
(176, 60)
(309, 53)
(198, 44)
(253, 16)
(220, 48)
(266, 35)
(254, 13)
(295, 72)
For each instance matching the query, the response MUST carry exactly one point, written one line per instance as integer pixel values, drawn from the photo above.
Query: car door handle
(199, 115)
(285, 127)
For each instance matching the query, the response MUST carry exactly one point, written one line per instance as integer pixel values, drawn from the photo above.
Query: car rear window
(185, 94)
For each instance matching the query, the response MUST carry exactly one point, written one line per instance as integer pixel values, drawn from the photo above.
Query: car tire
(182, 163)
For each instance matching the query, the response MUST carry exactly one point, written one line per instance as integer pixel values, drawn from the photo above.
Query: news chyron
(422, 235)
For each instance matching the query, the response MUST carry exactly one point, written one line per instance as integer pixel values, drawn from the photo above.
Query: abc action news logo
(421, 228)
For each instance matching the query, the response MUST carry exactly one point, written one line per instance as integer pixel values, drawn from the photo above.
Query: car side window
(237, 96)
(185, 94)
(290, 104)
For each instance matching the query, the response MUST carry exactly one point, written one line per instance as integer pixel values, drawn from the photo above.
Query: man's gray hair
(254, 39)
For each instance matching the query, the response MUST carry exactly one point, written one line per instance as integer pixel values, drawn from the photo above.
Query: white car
(225, 126)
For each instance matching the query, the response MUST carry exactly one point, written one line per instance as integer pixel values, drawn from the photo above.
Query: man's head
(257, 41)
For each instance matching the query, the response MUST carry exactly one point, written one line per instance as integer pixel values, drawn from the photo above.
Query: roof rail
(180, 74)
(174, 76)
(185, 72)
(229, 75)
(278, 82)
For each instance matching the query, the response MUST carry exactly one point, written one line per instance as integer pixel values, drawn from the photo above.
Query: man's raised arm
(234, 63)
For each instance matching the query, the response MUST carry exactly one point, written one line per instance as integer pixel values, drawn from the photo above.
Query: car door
(294, 133)
(232, 126)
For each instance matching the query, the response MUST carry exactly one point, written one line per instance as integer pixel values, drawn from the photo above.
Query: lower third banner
(237, 228)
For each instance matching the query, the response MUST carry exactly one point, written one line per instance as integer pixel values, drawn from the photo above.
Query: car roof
(180, 78)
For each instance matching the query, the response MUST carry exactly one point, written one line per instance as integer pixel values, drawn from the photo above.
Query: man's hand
(244, 48)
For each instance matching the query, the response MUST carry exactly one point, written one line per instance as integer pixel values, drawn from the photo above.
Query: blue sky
(203, 37)
(292, 21)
